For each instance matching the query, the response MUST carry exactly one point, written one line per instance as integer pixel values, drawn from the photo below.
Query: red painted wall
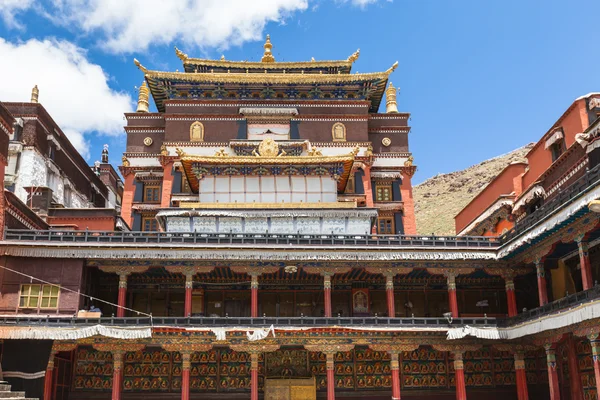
(66, 272)
(503, 184)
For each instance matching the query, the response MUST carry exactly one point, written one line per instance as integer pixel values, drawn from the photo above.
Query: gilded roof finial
(268, 56)
(182, 56)
(143, 96)
(222, 57)
(354, 56)
(390, 99)
(392, 68)
(105, 154)
(35, 94)
(140, 66)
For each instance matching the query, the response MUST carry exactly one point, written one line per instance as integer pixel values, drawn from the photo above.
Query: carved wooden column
(389, 290)
(330, 351)
(189, 273)
(254, 350)
(254, 273)
(522, 391)
(254, 295)
(118, 351)
(584, 262)
(451, 274)
(552, 373)
(459, 376)
(595, 343)
(511, 299)
(123, 273)
(452, 301)
(574, 375)
(186, 351)
(459, 373)
(394, 350)
(327, 291)
(541, 280)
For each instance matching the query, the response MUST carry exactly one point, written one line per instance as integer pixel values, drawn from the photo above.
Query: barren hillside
(440, 198)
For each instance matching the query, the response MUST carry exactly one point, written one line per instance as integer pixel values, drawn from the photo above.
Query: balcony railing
(250, 239)
(313, 322)
(584, 183)
(566, 302)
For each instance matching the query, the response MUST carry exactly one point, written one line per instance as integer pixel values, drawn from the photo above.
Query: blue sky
(480, 78)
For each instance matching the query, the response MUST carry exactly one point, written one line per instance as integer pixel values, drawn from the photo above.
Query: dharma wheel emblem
(386, 141)
(148, 141)
(268, 148)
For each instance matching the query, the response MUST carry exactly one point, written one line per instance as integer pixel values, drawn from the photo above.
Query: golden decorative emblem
(268, 148)
(163, 150)
(148, 141)
(409, 161)
(386, 141)
(125, 161)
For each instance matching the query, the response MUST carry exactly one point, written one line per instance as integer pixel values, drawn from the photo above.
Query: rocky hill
(452, 192)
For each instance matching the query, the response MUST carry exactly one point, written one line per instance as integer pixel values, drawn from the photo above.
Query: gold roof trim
(303, 205)
(268, 78)
(273, 160)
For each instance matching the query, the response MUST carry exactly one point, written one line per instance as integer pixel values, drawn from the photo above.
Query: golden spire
(268, 56)
(143, 105)
(140, 66)
(34, 94)
(354, 56)
(390, 99)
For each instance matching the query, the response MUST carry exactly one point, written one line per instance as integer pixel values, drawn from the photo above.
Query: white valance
(49, 333)
(555, 137)
(583, 312)
(534, 192)
(268, 111)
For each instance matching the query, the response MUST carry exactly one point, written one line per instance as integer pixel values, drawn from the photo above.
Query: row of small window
(39, 296)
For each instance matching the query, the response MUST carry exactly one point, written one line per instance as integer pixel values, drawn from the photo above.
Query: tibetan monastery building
(273, 254)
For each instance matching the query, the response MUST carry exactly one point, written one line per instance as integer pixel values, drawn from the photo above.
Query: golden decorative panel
(338, 132)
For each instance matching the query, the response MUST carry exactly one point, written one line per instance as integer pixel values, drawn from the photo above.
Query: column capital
(540, 269)
(186, 360)
(329, 348)
(252, 348)
(509, 285)
(519, 360)
(550, 355)
(327, 281)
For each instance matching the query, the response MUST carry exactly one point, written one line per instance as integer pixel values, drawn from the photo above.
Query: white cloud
(133, 25)
(9, 9)
(360, 3)
(73, 90)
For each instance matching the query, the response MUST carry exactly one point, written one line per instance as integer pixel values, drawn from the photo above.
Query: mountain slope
(440, 198)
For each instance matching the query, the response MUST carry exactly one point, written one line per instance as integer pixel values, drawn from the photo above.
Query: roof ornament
(180, 152)
(268, 56)
(140, 66)
(105, 154)
(180, 54)
(391, 107)
(35, 92)
(354, 56)
(222, 57)
(143, 96)
(392, 68)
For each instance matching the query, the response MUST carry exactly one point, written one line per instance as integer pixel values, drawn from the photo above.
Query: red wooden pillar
(584, 262)
(452, 301)
(185, 375)
(367, 186)
(595, 343)
(167, 185)
(189, 285)
(128, 195)
(122, 294)
(389, 289)
(574, 375)
(327, 290)
(253, 376)
(552, 373)
(330, 376)
(541, 280)
(522, 391)
(459, 376)
(254, 296)
(48, 378)
(117, 383)
(510, 297)
(395, 366)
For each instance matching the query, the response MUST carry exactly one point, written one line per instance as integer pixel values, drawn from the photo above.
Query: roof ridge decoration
(268, 56)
